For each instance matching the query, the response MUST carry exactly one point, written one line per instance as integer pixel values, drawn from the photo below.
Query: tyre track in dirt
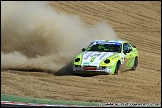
(137, 22)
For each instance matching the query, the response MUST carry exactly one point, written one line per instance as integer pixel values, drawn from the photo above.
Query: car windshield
(104, 48)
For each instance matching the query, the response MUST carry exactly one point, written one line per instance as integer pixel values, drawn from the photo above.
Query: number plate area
(90, 68)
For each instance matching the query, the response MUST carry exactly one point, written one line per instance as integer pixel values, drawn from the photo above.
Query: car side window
(129, 46)
(126, 46)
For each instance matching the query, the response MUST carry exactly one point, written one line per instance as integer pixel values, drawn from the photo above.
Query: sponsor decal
(96, 54)
(92, 59)
(102, 56)
(87, 55)
(86, 63)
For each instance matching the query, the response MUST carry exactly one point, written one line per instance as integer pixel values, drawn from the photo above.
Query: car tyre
(117, 68)
(135, 64)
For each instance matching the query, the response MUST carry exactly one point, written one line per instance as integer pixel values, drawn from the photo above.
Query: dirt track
(137, 22)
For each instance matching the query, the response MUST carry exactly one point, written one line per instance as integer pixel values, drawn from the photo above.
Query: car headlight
(107, 61)
(77, 60)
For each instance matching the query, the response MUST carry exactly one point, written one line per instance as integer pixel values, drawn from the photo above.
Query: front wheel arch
(118, 64)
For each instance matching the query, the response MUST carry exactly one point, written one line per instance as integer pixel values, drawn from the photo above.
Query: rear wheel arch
(135, 63)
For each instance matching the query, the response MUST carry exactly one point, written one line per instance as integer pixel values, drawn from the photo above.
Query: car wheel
(135, 64)
(117, 68)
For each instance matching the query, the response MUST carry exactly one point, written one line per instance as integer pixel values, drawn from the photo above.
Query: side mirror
(83, 49)
(133, 46)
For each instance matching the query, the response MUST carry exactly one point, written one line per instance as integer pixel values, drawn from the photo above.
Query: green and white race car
(106, 57)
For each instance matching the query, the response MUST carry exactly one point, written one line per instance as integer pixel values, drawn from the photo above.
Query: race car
(106, 57)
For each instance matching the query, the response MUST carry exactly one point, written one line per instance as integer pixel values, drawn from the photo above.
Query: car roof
(113, 41)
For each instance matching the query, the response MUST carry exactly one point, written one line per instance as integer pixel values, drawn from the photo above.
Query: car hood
(95, 58)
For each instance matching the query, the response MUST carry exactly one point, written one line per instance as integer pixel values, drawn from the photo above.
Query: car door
(127, 50)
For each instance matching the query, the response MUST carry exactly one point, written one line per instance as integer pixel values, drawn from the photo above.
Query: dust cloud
(36, 36)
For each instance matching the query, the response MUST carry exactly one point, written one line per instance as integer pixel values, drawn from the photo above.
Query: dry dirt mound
(137, 22)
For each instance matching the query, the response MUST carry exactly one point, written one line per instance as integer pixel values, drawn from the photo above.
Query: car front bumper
(82, 70)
